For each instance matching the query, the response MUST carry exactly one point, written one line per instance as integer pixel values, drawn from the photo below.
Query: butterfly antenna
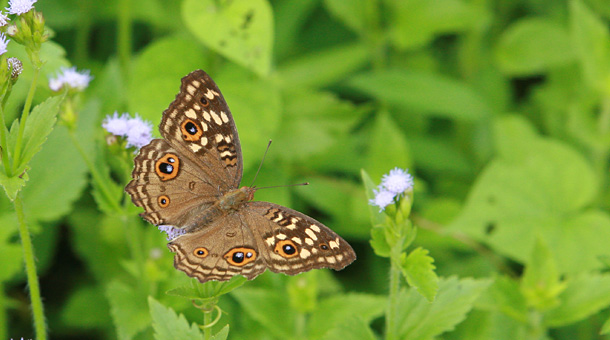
(283, 186)
(261, 165)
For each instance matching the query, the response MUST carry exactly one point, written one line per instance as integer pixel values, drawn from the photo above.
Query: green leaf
(377, 217)
(352, 328)
(539, 188)
(38, 126)
(339, 308)
(419, 319)
(168, 325)
(585, 295)
(379, 243)
(432, 94)
(303, 291)
(418, 268)
(77, 312)
(415, 23)
(240, 30)
(505, 296)
(129, 309)
(12, 185)
(591, 42)
(354, 14)
(540, 283)
(388, 147)
(322, 68)
(605, 328)
(157, 64)
(208, 290)
(10, 252)
(222, 334)
(267, 307)
(533, 45)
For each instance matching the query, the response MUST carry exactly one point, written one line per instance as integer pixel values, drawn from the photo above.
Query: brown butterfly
(188, 183)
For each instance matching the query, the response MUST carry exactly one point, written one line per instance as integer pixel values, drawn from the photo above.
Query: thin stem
(395, 274)
(24, 116)
(30, 268)
(95, 174)
(4, 144)
(207, 319)
(3, 308)
(124, 38)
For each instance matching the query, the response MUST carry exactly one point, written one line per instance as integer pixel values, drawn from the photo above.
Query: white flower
(139, 132)
(72, 78)
(15, 66)
(116, 125)
(171, 231)
(397, 181)
(382, 199)
(20, 6)
(3, 43)
(3, 20)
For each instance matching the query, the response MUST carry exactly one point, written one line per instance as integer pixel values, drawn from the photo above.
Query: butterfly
(188, 182)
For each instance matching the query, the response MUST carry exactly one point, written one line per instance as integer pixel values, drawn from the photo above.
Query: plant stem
(207, 319)
(395, 274)
(30, 268)
(97, 177)
(4, 143)
(24, 116)
(3, 308)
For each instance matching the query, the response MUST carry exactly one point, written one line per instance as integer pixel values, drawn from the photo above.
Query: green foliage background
(500, 108)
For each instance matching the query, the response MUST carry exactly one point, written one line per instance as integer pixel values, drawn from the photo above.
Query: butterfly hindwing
(295, 242)
(219, 251)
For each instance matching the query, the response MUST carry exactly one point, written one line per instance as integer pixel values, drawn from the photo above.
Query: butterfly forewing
(199, 124)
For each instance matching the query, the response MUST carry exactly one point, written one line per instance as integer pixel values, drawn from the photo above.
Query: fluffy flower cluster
(3, 43)
(171, 231)
(137, 131)
(20, 6)
(72, 78)
(392, 185)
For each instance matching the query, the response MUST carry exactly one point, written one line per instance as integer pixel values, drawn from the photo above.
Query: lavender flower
(137, 131)
(397, 181)
(171, 231)
(3, 20)
(382, 199)
(72, 78)
(3, 43)
(20, 6)
(392, 186)
(15, 66)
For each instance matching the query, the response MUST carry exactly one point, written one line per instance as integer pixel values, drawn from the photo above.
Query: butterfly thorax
(234, 199)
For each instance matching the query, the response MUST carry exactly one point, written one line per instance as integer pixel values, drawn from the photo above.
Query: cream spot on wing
(204, 126)
(309, 241)
(228, 139)
(297, 240)
(216, 118)
(340, 257)
(173, 114)
(315, 228)
(311, 234)
(270, 241)
(278, 218)
(282, 267)
(188, 97)
(206, 116)
(304, 253)
(333, 244)
(314, 250)
(291, 226)
(178, 134)
(209, 94)
(204, 141)
(281, 236)
(321, 259)
(190, 89)
(219, 138)
(196, 83)
(196, 106)
(330, 259)
(226, 153)
(224, 117)
(191, 114)
(195, 147)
